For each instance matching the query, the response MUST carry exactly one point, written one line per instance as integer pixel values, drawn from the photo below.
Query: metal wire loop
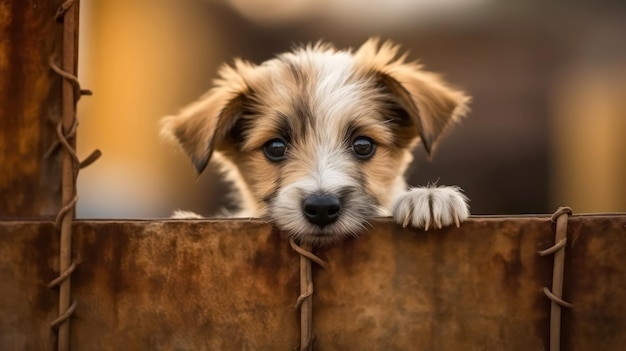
(63, 317)
(556, 247)
(556, 299)
(307, 254)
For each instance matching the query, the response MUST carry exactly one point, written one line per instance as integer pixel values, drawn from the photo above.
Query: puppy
(317, 139)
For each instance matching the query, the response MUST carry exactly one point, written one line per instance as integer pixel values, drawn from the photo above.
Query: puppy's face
(319, 145)
(320, 137)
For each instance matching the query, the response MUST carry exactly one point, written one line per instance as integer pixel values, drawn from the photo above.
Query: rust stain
(101, 258)
(42, 252)
(594, 282)
(29, 95)
(27, 265)
(512, 268)
(263, 260)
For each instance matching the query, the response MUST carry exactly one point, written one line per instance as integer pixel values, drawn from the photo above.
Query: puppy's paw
(180, 214)
(431, 207)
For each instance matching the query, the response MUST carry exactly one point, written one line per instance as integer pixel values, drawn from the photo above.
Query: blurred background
(548, 81)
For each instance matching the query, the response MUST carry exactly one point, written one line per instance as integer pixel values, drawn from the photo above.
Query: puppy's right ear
(203, 126)
(428, 105)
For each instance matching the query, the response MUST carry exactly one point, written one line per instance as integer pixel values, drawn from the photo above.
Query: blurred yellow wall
(138, 58)
(589, 139)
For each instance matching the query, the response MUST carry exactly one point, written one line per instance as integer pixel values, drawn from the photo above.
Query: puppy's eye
(363, 147)
(275, 150)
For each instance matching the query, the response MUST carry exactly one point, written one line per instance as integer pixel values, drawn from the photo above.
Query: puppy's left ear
(203, 126)
(427, 106)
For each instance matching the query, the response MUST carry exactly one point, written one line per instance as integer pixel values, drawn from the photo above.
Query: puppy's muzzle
(321, 210)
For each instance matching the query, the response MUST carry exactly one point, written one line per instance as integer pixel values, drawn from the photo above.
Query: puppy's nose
(321, 210)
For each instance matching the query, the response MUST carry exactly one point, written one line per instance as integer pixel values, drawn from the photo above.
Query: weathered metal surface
(30, 106)
(186, 286)
(27, 263)
(595, 282)
(478, 288)
(231, 285)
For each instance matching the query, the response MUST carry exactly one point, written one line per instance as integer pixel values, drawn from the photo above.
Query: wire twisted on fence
(66, 131)
(560, 217)
(304, 301)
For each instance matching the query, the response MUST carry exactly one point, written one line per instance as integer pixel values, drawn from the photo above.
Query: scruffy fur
(318, 100)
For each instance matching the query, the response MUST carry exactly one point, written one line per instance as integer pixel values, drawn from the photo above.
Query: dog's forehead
(313, 97)
(330, 76)
(323, 88)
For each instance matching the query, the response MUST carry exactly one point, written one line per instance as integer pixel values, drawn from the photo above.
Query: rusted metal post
(68, 189)
(305, 300)
(70, 167)
(306, 309)
(560, 217)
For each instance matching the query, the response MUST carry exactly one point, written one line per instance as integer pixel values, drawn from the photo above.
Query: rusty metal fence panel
(232, 285)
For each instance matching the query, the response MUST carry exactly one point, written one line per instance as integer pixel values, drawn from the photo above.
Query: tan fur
(319, 100)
